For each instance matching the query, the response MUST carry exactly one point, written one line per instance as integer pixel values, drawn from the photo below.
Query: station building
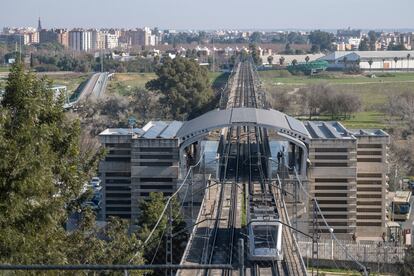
(138, 161)
(348, 175)
(346, 169)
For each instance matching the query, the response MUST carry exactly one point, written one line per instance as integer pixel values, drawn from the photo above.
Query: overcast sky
(210, 14)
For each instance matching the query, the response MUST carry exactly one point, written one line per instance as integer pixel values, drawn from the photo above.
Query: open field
(338, 271)
(125, 83)
(70, 79)
(282, 77)
(373, 92)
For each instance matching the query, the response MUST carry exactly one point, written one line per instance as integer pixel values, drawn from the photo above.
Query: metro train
(265, 230)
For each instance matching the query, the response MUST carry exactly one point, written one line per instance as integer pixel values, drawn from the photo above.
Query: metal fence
(365, 252)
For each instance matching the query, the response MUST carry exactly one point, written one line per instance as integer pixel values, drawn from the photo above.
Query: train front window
(265, 236)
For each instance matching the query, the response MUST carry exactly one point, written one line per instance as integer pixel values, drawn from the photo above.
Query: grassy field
(4, 69)
(373, 92)
(283, 77)
(338, 271)
(125, 83)
(71, 80)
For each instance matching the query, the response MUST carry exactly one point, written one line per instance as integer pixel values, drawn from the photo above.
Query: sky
(210, 14)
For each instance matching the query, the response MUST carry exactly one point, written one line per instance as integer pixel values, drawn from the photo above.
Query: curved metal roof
(267, 118)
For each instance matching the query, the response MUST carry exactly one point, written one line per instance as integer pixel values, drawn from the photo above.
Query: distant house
(371, 60)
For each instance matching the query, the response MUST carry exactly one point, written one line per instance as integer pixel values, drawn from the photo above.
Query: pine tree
(150, 212)
(42, 171)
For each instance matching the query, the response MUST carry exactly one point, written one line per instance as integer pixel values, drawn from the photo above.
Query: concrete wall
(154, 168)
(115, 173)
(332, 180)
(372, 168)
(133, 168)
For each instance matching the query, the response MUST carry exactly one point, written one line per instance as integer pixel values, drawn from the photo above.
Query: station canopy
(266, 118)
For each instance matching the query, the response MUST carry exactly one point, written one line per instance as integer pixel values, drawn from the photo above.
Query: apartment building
(62, 37)
(111, 41)
(80, 40)
(54, 36)
(98, 40)
(139, 161)
(332, 175)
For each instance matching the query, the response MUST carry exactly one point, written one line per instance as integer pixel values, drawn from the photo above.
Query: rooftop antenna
(131, 123)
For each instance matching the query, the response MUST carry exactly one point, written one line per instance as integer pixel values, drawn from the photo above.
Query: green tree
(118, 247)
(345, 61)
(270, 59)
(151, 210)
(41, 170)
(407, 268)
(396, 47)
(372, 36)
(255, 37)
(184, 87)
(323, 40)
(281, 61)
(255, 53)
(363, 45)
(396, 59)
(288, 49)
(370, 62)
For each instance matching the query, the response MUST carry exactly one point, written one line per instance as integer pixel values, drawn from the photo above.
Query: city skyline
(184, 14)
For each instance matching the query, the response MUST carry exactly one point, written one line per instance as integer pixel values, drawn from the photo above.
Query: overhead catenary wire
(328, 226)
(166, 206)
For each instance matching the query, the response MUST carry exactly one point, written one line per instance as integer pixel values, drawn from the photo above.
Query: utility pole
(168, 251)
(295, 205)
(241, 257)
(192, 195)
(213, 65)
(20, 47)
(102, 62)
(315, 247)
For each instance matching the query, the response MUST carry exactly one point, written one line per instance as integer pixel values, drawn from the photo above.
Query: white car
(95, 182)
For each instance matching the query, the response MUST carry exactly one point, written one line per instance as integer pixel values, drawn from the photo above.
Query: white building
(111, 41)
(80, 40)
(371, 60)
(98, 40)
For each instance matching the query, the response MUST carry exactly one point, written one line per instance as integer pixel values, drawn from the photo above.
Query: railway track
(224, 236)
(243, 163)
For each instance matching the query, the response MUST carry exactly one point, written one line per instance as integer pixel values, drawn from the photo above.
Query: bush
(46, 68)
(385, 75)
